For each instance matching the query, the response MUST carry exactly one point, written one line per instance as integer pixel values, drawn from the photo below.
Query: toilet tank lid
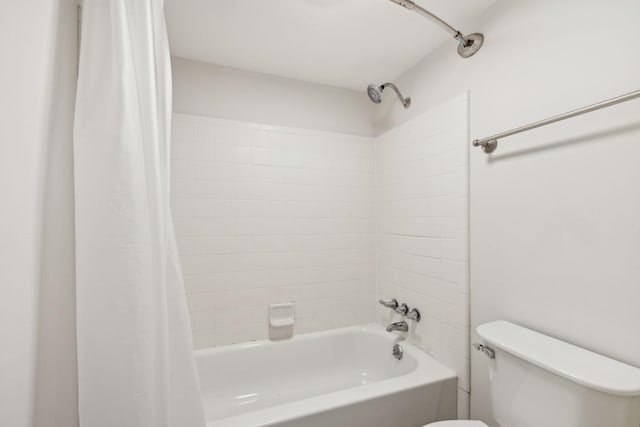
(574, 363)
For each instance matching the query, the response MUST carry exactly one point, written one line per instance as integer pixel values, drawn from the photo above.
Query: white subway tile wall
(268, 214)
(422, 240)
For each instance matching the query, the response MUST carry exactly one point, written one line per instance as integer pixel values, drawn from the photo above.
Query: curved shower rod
(467, 45)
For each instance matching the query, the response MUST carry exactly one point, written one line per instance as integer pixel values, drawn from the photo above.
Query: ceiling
(343, 43)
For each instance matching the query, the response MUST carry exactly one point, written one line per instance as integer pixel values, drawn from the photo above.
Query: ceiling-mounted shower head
(375, 94)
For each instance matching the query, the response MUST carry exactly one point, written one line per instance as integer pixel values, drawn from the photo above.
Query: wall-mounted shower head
(375, 94)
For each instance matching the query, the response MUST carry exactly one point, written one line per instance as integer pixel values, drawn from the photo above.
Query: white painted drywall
(334, 42)
(37, 361)
(555, 235)
(228, 93)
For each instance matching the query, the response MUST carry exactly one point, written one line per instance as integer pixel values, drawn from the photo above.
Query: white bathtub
(340, 378)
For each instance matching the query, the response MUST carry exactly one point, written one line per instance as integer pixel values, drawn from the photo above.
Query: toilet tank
(539, 381)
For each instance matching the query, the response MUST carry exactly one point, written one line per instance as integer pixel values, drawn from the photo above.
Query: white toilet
(539, 381)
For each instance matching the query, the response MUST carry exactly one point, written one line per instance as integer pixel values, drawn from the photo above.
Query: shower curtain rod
(490, 143)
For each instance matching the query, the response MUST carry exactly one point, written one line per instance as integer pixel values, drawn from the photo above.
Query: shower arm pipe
(408, 4)
(397, 91)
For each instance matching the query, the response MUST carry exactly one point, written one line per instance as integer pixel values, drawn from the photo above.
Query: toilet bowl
(457, 423)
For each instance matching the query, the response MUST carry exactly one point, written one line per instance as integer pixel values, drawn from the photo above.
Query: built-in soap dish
(281, 314)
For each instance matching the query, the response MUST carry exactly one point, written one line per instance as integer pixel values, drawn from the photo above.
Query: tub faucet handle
(403, 309)
(393, 304)
(414, 314)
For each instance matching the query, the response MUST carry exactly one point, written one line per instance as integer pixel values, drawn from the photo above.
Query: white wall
(555, 236)
(422, 241)
(37, 79)
(217, 91)
(269, 214)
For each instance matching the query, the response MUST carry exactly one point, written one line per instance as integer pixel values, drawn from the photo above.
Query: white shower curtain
(135, 357)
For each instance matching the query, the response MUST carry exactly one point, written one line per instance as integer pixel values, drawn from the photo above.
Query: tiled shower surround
(331, 221)
(266, 214)
(422, 232)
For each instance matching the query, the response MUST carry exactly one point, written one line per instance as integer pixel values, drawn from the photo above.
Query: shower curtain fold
(135, 352)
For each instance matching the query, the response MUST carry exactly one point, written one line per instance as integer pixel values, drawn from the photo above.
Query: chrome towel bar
(490, 143)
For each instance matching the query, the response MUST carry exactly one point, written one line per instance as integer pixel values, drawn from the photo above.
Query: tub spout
(398, 326)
